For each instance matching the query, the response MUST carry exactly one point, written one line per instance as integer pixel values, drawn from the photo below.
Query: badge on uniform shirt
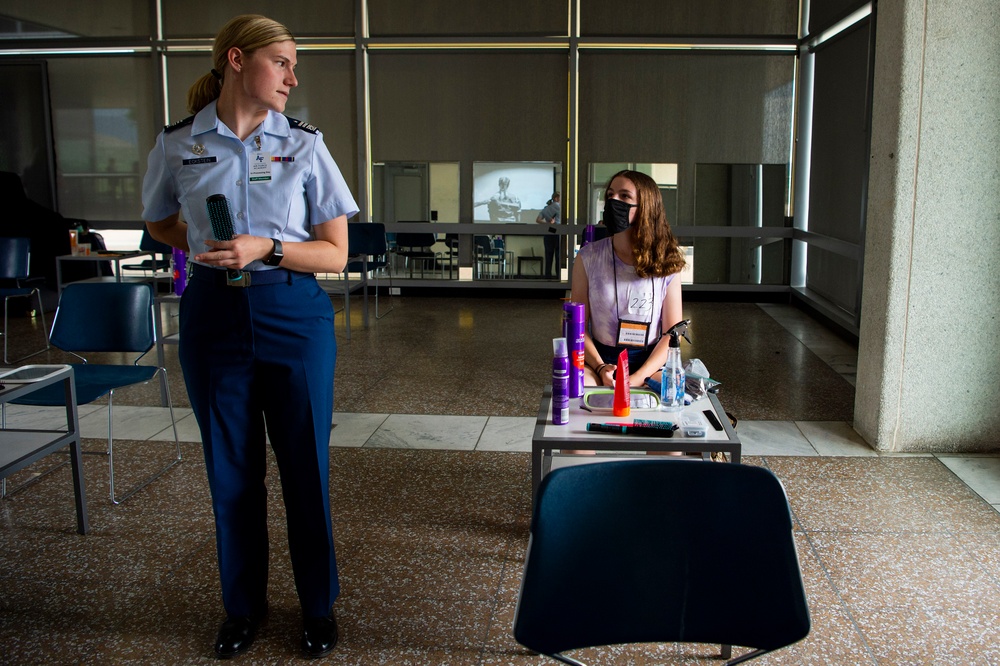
(198, 149)
(260, 167)
(275, 158)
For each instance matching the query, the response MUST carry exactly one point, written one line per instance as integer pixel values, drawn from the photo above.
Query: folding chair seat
(107, 317)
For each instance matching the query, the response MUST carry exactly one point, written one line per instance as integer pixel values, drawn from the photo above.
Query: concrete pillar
(929, 347)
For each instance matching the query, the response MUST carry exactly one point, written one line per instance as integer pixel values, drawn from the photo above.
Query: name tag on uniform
(260, 167)
(200, 160)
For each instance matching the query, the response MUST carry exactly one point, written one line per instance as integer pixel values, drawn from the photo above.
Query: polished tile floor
(435, 405)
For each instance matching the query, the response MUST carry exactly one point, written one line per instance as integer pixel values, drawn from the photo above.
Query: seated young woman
(628, 283)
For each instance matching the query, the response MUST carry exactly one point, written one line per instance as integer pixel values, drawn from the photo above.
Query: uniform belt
(235, 278)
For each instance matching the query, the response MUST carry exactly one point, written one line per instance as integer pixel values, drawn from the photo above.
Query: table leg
(76, 456)
(536, 470)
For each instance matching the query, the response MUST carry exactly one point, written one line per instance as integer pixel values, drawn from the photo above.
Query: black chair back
(661, 551)
(15, 258)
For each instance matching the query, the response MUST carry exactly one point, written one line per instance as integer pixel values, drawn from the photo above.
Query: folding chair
(367, 239)
(107, 317)
(661, 551)
(416, 247)
(15, 264)
(161, 260)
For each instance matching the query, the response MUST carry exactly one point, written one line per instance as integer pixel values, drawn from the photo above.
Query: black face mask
(615, 216)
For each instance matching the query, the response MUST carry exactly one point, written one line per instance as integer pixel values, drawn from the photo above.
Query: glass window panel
(833, 277)
(737, 261)
(442, 107)
(196, 18)
(741, 195)
(839, 159)
(102, 111)
(665, 176)
(687, 109)
(825, 13)
(73, 18)
(517, 18)
(689, 17)
(24, 119)
(415, 192)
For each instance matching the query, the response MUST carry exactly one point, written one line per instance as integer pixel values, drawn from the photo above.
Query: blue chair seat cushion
(92, 382)
(7, 292)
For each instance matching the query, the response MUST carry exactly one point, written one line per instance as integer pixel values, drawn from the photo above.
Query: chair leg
(391, 306)
(111, 451)
(45, 330)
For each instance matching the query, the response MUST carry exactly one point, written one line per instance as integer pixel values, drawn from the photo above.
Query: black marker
(641, 431)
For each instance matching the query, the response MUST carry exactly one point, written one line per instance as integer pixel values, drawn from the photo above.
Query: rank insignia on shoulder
(179, 124)
(302, 125)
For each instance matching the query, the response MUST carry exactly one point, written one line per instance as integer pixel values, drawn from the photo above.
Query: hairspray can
(180, 271)
(560, 381)
(573, 328)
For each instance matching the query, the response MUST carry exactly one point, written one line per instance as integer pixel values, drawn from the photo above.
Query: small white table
(575, 436)
(114, 257)
(20, 448)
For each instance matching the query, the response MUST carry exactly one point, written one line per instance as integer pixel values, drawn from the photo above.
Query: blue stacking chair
(661, 551)
(107, 317)
(160, 261)
(367, 239)
(15, 265)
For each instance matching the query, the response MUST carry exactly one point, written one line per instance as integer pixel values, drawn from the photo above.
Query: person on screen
(504, 207)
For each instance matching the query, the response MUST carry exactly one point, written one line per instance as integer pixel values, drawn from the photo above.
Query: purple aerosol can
(573, 326)
(560, 382)
(180, 271)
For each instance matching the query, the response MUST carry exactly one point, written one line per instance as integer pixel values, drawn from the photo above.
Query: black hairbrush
(220, 216)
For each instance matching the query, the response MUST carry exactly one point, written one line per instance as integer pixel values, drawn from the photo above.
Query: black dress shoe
(236, 636)
(319, 636)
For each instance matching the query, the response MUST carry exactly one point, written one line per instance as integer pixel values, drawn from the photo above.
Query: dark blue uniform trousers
(255, 358)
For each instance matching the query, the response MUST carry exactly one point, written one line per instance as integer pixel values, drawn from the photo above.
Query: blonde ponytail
(204, 90)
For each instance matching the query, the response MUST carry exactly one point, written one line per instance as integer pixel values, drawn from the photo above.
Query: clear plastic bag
(699, 383)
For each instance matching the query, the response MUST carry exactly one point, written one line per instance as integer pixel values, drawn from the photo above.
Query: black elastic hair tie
(216, 74)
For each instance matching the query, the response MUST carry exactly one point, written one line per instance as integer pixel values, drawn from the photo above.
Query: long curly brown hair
(655, 251)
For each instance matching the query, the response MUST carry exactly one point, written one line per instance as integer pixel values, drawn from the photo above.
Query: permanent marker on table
(642, 431)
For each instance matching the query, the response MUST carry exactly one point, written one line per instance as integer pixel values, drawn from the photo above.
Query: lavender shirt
(638, 299)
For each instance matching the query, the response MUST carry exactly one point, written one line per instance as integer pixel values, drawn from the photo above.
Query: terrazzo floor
(435, 404)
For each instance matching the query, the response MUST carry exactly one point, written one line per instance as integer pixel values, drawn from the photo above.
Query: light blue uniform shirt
(199, 157)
